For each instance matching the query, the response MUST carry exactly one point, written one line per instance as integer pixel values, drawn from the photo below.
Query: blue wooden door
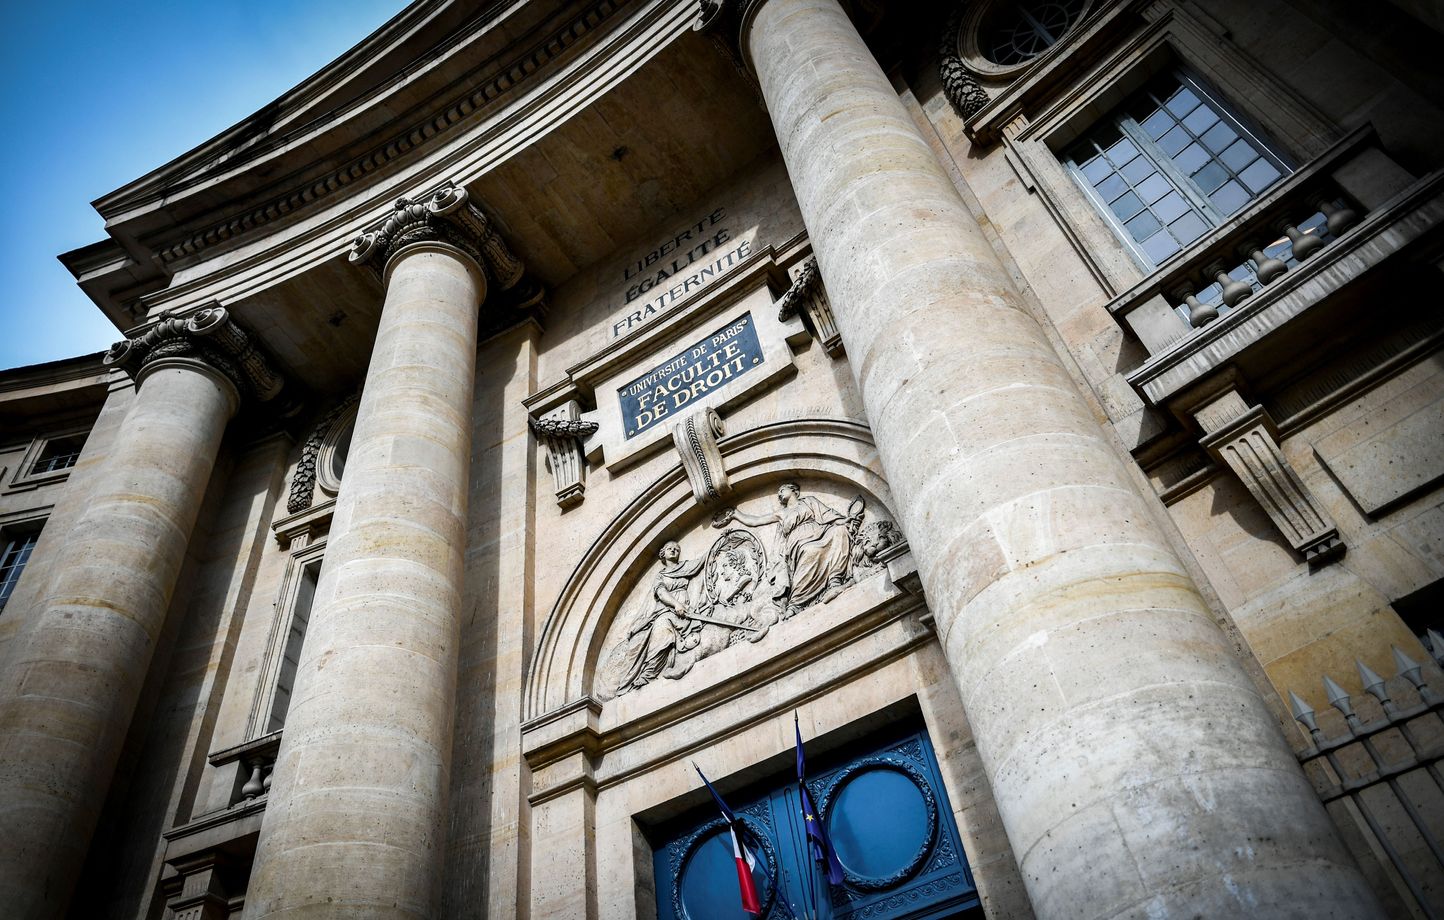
(888, 816)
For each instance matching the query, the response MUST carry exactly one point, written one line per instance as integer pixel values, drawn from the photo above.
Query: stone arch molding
(834, 462)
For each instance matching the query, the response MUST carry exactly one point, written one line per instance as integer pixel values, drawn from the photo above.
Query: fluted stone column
(1135, 766)
(355, 821)
(68, 695)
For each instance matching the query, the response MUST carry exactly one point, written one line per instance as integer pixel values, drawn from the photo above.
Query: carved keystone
(695, 438)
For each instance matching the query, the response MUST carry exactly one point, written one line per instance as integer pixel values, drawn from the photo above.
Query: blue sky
(94, 94)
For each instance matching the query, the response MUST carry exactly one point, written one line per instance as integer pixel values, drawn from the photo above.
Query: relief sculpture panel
(753, 568)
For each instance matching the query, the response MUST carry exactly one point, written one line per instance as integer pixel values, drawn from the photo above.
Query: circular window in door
(882, 818)
(707, 885)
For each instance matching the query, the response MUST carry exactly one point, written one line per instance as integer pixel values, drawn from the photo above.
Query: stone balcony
(1266, 272)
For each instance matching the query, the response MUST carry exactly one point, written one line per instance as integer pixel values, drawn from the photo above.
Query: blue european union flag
(817, 839)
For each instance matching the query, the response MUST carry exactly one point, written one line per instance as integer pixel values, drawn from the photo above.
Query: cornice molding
(113, 278)
(478, 95)
(209, 336)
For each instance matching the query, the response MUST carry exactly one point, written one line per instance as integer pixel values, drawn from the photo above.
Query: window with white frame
(13, 557)
(58, 454)
(1170, 164)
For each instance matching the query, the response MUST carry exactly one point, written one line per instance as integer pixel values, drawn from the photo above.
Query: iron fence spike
(1373, 683)
(1302, 712)
(1408, 667)
(1337, 697)
(1436, 642)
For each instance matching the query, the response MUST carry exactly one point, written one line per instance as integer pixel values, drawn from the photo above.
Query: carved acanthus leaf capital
(713, 11)
(808, 296)
(445, 215)
(564, 427)
(208, 335)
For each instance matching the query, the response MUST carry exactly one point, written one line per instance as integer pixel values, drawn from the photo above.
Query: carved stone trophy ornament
(740, 590)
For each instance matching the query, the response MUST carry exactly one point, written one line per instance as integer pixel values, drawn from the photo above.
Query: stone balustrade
(253, 762)
(1265, 242)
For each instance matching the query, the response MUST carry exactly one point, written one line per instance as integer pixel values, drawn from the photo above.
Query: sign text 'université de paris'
(685, 378)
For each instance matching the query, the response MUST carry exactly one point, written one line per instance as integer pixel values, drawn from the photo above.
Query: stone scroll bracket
(210, 336)
(563, 432)
(695, 438)
(808, 297)
(1243, 437)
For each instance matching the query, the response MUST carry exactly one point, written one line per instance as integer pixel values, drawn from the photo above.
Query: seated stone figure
(661, 630)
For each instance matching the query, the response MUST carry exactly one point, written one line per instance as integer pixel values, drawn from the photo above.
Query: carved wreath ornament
(741, 587)
(960, 85)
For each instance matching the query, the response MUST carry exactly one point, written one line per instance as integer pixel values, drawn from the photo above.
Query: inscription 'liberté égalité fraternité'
(690, 375)
(679, 265)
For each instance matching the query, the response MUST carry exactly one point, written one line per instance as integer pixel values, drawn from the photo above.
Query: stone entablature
(498, 80)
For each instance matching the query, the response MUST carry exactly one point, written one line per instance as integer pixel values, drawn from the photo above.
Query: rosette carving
(208, 335)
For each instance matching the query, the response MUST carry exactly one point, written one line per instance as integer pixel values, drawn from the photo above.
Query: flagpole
(803, 861)
(746, 885)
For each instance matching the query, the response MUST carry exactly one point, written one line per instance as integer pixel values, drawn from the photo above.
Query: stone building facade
(1036, 407)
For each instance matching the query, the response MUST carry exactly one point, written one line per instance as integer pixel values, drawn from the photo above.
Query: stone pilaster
(1115, 724)
(356, 814)
(71, 688)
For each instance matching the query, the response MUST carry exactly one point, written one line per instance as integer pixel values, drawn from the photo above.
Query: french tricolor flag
(745, 862)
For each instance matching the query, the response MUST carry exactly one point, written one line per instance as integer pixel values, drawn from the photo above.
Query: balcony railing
(253, 761)
(1261, 245)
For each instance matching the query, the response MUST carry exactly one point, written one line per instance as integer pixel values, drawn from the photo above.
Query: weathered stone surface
(358, 801)
(72, 683)
(905, 263)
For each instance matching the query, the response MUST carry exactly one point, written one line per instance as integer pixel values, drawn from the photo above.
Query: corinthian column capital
(445, 215)
(208, 336)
